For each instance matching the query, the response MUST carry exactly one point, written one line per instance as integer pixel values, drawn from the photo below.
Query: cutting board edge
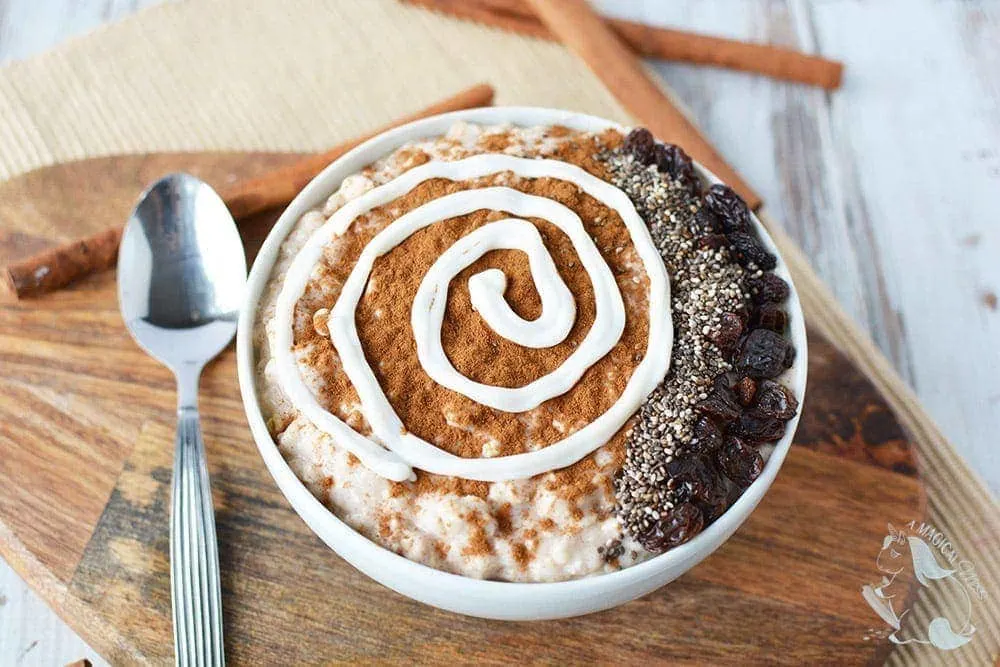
(110, 642)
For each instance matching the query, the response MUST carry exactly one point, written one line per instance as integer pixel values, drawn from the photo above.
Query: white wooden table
(891, 185)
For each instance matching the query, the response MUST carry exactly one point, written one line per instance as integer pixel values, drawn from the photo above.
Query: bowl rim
(312, 511)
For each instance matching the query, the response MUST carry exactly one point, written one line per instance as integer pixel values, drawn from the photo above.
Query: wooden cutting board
(86, 434)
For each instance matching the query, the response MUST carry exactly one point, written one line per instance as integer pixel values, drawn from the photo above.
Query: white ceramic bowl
(487, 599)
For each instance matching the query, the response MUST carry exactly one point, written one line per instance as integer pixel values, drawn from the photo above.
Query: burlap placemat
(296, 75)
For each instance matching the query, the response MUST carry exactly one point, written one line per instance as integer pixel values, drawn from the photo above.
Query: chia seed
(704, 283)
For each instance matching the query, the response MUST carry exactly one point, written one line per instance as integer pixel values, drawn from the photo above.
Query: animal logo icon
(899, 552)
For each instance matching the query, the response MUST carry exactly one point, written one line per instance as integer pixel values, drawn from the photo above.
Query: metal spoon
(181, 278)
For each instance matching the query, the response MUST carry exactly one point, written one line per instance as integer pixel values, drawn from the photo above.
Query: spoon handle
(194, 553)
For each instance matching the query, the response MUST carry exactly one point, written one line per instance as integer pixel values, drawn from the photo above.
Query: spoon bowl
(181, 280)
(181, 272)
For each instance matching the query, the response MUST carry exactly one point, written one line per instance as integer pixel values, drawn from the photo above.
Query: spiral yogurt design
(392, 451)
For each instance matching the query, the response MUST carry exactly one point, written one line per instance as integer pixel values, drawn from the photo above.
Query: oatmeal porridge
(525, 354)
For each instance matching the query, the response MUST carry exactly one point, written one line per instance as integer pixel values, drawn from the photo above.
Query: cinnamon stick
(576, 24)
(64, 264)
(279, 187)
(666, 43)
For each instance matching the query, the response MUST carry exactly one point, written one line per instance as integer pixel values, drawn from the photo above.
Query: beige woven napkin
(277, 74)
(306, 74)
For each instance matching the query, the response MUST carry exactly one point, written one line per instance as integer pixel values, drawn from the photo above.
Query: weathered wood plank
(919, 129)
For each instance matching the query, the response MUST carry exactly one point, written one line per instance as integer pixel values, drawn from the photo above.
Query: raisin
(757, 428)
(776, 400)
(721, 384)
(713, 241)
(672, 160)
(768, 288)
(789, 356)
(740, 462)
(721, 404)
(641, 145)
(746, 388)
(706, 222)
(712, 511)
(728, 334)
(675, 526)
(714, 491)
(748, 249)
(707, 436)
(710, 494)
(730, 210)
(770, 316)
(684, 472)
(699, 478)
(764, 354)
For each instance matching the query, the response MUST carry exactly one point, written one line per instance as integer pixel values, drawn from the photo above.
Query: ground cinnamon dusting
(577, 481)
(479, 542)
(496, 143)
(446, 418)
(384, 525)
(502, 515)
(441, 549)
(522, 555)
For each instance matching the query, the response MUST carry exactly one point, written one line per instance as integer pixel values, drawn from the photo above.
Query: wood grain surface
(894, 173)
(86, 433)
